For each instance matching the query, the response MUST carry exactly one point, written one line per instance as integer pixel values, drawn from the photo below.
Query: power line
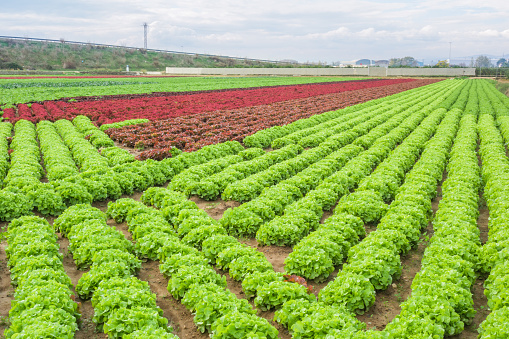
(450, 48)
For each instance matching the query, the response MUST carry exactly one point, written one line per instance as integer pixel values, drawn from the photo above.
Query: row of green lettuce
(494, 111)
(124, 306)
(124, 123)
(185, 240)
(43, 305)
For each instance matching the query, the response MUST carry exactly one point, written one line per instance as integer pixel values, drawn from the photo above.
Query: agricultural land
(256, 207)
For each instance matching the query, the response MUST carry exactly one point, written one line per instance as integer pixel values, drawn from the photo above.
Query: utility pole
(145, 30)
(450, 48)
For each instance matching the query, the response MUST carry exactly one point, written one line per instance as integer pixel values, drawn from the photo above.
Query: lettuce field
(253, 208)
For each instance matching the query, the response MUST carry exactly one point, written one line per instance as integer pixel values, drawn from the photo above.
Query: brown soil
(180, 318)
(6, 290)
(236, 288)
(216, 208)
(131, 150)
(386, 306)
(505, 81)
(480, 300)
(87, 328)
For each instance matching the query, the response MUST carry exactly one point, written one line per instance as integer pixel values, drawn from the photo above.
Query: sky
(306, 31)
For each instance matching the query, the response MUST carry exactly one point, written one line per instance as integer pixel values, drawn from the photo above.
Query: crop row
(123, 305)
(43, 305)
(191, 279)
(96, 137)
(16, 85)
(495, 175)
(169, 106)
(58, 160)
(194, 131)
(25, 156)
(450, 262)
(5, 135)
(123, 123)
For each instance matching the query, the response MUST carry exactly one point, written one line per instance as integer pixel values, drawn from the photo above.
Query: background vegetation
(35, 55)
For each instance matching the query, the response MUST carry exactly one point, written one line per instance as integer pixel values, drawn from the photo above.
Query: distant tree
(69, 63)
(4, 57)
(11, 65)
(407, 61)
(442, 64)
(483, 61)
(502, 63)
(394, 62)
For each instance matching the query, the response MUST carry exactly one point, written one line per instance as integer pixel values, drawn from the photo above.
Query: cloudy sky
(318, 30)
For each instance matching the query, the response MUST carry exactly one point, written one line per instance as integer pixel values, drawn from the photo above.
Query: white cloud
(293, 29)
(489, 33)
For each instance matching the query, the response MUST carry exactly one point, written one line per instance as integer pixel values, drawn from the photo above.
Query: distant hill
(56, 56)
